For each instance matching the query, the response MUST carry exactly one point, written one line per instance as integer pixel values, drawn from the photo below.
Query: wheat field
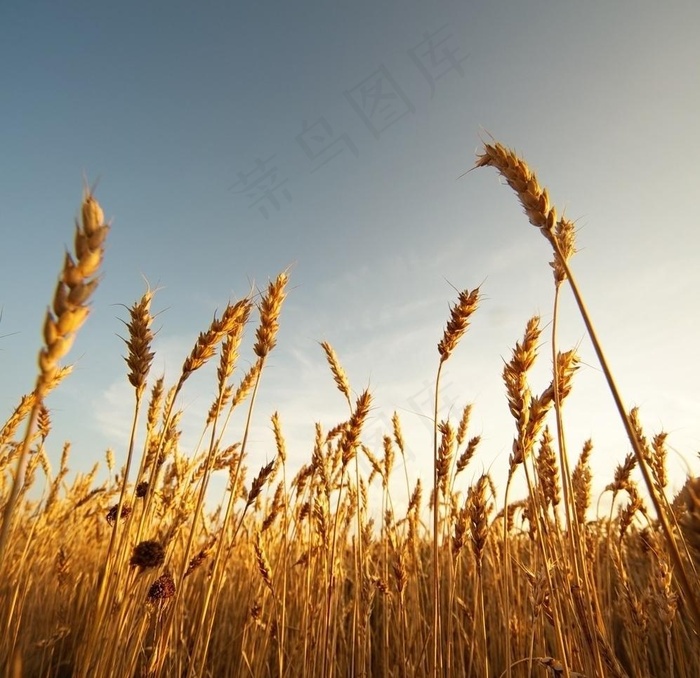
(315, 573)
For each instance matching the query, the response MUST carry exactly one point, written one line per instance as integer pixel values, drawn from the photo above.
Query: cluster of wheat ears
(299, 576)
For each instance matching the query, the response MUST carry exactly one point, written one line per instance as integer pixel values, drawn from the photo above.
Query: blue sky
(187, 113)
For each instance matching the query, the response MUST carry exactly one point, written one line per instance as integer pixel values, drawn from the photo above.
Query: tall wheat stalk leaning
(69, 310)
(535, 201)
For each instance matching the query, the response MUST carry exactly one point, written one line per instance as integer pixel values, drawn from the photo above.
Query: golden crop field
(302, 575)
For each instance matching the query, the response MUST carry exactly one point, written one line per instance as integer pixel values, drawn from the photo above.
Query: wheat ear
(69, 310)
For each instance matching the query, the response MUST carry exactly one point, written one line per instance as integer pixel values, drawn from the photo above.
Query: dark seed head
(142, 489)
(112, 513)
(147, 554)
(162, 588)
